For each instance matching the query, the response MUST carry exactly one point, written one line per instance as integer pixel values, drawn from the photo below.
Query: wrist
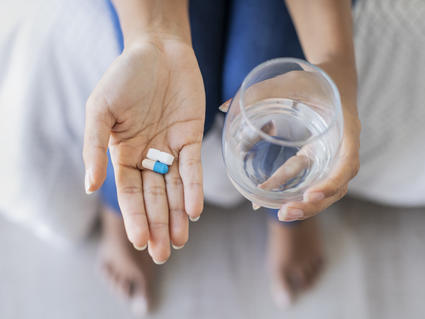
(152, 20)
(343, 72)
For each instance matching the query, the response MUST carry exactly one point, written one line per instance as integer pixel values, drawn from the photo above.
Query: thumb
(99, 122)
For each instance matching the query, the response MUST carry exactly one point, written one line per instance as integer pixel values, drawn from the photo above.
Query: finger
(291, 168)
(96, 137)
(225, 106)
(191, 174)
(156, 204)
(249, 137)
(255, 206)
(301, 210)
(345, 169)
(179, 225)
(130, 199)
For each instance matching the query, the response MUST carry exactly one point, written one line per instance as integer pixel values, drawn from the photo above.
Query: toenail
(140, 248)
(139, 306)
(177, 247)
(194, 219)
(291, 214)
(283, 299)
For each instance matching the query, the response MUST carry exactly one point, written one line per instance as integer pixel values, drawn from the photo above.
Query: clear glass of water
(282, 131)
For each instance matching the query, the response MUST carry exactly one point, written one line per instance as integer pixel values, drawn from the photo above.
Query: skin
(141, 103)
(153, 96)
(325, 31)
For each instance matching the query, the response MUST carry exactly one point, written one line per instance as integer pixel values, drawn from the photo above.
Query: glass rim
(272, 139)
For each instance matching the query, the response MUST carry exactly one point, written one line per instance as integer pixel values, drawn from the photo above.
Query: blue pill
(160, 168)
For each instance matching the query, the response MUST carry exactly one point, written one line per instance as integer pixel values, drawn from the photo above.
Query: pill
(166, 158)
(155, 166)
(154, 154)
(157, 155)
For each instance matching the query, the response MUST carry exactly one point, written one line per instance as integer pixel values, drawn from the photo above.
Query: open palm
(151, 96)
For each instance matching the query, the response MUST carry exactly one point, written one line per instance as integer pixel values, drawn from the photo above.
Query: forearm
(325, 31)
(153, 18)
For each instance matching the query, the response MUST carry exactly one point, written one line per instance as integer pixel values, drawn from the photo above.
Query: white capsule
(163, 157)
(154, 154)
(166, 158)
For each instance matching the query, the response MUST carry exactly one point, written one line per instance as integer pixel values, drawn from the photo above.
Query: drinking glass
(282, 131)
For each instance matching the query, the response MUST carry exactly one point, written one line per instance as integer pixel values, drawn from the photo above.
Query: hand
(334, 187)
(151, 96)
(319, 197)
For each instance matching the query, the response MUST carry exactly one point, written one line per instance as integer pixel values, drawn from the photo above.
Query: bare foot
(295, 258)
(128, 271)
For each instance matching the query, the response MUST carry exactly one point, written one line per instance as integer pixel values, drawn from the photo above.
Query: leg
(259, 31)
(129, 272)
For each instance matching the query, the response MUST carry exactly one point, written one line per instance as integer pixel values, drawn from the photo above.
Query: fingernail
(283, 299)
(177, 247)
(159, 262)
(87, 182)
(140, 248)
(291, 214)
(194, 219)
(314, 197)
(255, 206)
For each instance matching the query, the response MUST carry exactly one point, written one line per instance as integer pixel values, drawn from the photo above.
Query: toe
(127, 287)
(139, 297)
(282, 298)
(282, 291)
(139, 305)
(316, 267)
(297, 279)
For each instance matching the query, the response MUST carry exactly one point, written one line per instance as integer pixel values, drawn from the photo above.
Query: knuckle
(130, 189)
(155, 225)
(154, 191)
(191, 163)
(174, 182)
(177, 211)
(194, 184)
(333, 187)
(134, 214)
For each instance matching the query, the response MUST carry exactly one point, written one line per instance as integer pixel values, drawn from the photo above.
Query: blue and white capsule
(155, 166)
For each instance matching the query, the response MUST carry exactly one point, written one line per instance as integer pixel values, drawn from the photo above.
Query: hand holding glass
(282, 131)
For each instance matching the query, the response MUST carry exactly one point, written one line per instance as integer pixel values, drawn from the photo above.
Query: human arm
(151, 96)
(325, 31)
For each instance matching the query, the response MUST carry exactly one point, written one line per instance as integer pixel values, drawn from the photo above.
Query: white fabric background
(52, 53)
(390, 45)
